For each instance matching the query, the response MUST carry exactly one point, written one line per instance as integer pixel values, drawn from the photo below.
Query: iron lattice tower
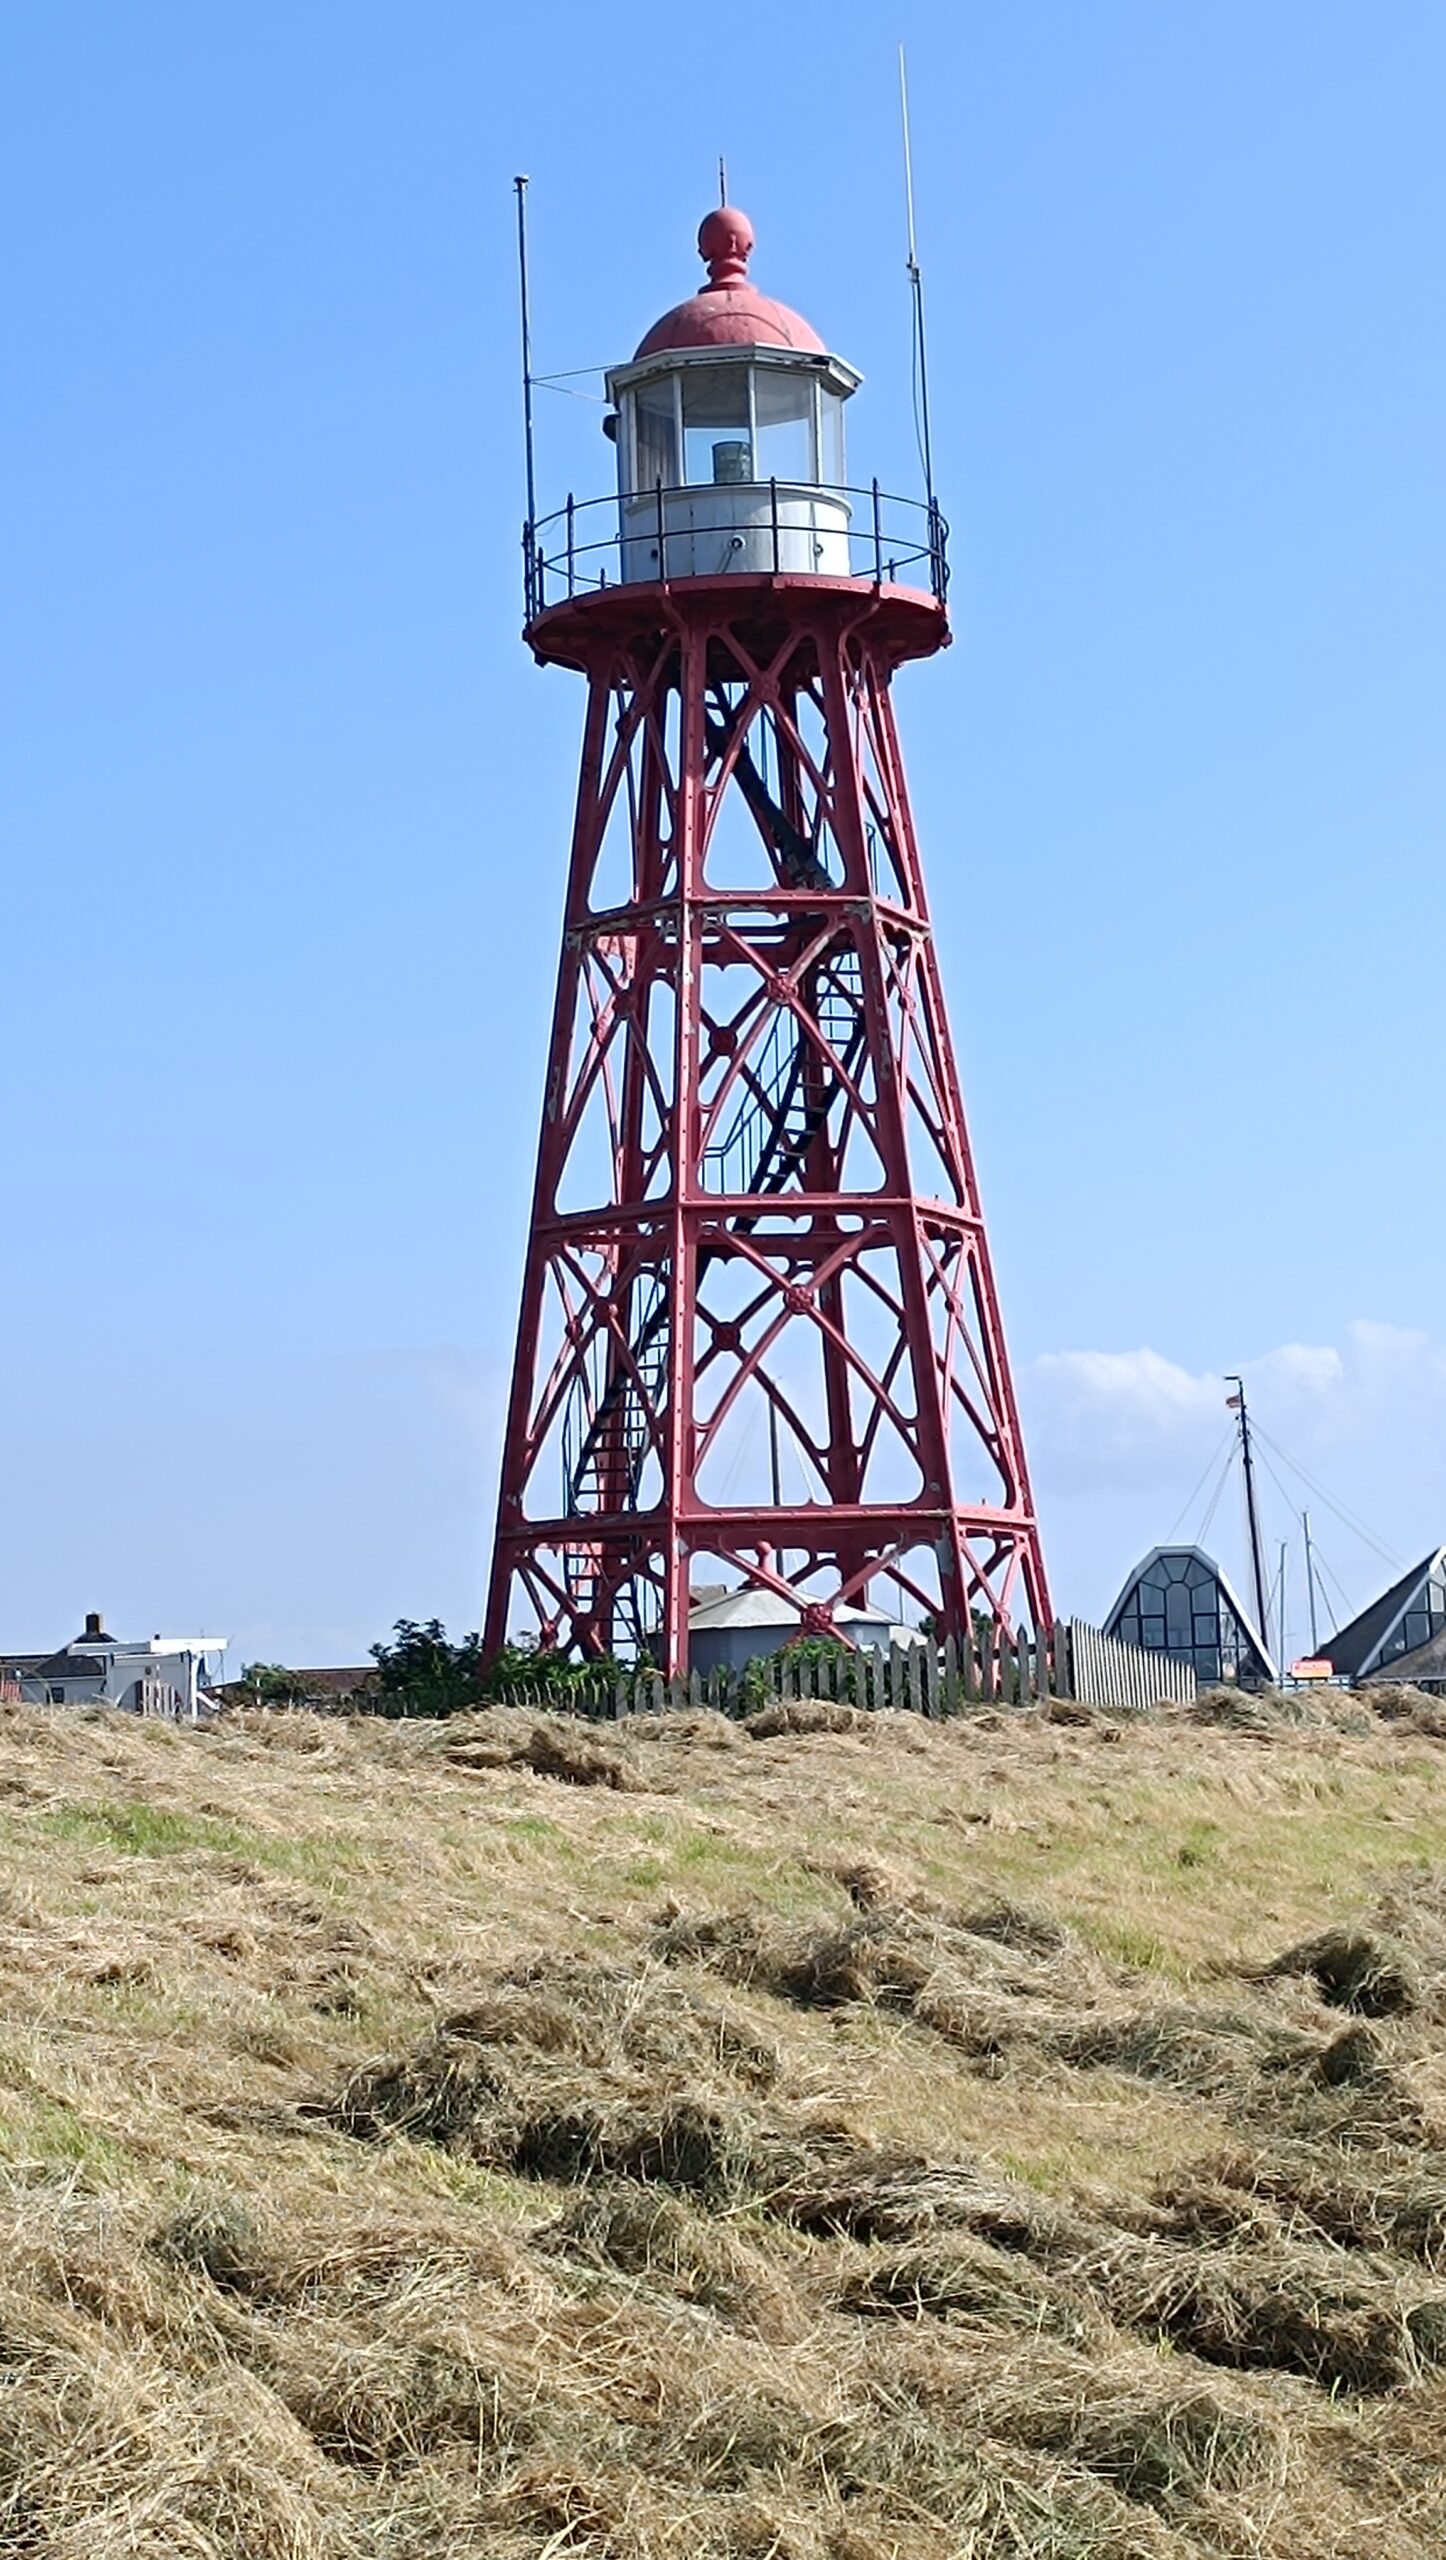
(760, 1338)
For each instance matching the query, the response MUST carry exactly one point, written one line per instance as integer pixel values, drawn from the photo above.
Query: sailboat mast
(1252, 1509)
(1310, 1582)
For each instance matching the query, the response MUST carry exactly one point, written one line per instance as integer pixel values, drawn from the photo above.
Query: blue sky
(283, 801)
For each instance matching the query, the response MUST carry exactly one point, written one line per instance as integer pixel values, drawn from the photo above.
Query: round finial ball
(725, 238)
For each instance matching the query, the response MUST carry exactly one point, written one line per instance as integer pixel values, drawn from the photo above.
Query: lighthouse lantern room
(730, 433)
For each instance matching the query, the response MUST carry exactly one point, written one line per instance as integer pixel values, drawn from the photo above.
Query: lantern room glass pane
(830, 439)
(717, 445)
(655, 430)
(783, 409)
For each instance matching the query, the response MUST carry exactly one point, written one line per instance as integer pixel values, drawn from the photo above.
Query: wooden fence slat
(1105, 1672)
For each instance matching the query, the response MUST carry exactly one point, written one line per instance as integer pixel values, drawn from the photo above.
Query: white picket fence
(1073, 1661)
(1108, 1673)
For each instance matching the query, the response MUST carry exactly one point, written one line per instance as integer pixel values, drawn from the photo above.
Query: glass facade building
(1178, 1602)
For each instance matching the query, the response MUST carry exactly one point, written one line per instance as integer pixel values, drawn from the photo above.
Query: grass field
(1010, 2137)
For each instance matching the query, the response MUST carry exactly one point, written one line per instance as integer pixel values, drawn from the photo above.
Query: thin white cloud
(1098, 1416)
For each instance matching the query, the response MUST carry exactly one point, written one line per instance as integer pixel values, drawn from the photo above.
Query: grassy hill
(1014, 2137)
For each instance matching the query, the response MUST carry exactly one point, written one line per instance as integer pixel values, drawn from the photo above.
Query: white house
(155, 1676)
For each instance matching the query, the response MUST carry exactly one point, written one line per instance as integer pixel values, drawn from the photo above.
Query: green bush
(422, 1673)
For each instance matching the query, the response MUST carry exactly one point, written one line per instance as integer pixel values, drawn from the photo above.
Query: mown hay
(1263, 1713)
(672, 2247)
(371, 2188)
(1401, 1704)
(808, 1715)
(1174, 2442)
(964, 2278)
(575, 2073)
(967, 1976)
(558, 1750)
(879, 2196)
(1256, 2309)
(1398, 2206)
(1204, 2050)
(220, 2239)
(1372, 1976)
(501, 1738)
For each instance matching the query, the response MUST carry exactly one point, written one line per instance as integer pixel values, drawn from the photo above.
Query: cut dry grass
(822, 2140)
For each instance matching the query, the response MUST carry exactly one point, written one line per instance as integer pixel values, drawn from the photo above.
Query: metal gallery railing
(592, 543)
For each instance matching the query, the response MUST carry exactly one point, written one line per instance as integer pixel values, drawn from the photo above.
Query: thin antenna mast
(722, 180)
(916, 288)
(521, 184)
(1252, 1512)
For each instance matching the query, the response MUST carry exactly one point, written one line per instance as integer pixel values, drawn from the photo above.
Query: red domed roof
(729, 311)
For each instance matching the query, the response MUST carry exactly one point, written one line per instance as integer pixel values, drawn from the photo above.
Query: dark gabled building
(1424, 1667)
(1407, 1621)
(1178, 1602)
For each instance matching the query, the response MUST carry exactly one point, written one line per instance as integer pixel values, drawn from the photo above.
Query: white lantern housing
(731, 444)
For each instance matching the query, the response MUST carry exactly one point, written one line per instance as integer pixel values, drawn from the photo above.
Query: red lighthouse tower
(759, 1341)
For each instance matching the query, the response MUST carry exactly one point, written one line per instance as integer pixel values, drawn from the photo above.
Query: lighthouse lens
(732, 462)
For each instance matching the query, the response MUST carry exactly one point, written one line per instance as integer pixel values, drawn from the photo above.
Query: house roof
(1137, 1573)
(752, 1607)
(69, 1665)
(1353, 1647)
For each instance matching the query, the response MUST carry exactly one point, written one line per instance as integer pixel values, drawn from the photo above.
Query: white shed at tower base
(732, 1628)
